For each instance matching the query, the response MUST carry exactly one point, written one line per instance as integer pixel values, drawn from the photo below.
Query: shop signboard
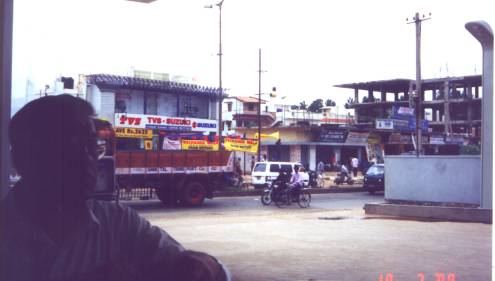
(455, 139)
(403, 111)
(384, 124)
(437, 139)
(328, 135)
(357, 138)
(408, 124)
(245, 145)
(123, 132)
(199, 145)
(165, 122)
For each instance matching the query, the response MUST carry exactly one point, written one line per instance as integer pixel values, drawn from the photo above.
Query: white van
(265, 172)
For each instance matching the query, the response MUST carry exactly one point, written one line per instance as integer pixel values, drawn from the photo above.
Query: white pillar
(337, 155)
(312, 157)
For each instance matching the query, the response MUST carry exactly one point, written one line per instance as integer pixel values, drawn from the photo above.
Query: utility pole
(259, 105)
(220, 101)
(419, 94)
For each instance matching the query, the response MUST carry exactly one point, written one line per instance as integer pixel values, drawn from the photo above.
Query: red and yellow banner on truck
(245, 145)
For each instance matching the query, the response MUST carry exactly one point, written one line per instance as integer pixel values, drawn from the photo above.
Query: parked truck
(178, 176)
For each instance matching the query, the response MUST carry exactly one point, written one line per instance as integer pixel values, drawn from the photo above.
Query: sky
(307, 46)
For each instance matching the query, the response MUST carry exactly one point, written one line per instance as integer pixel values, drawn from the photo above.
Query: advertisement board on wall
(122, 132)
(245, 145)
(328, 135)
(165, 122)
(437, 139)
(384, 124)
(199, 145)
(357, 138)
(455, 139)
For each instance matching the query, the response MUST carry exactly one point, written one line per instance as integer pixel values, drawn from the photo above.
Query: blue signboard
(408, 124)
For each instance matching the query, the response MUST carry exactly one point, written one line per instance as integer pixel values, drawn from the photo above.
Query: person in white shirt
(355, 165)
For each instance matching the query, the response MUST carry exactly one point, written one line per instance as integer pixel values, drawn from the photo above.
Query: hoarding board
(199, 145)
(165, 122)
(245, 145)
(327, 135)
(122, 132)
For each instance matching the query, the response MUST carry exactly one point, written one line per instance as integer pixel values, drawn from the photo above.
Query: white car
(265, 172)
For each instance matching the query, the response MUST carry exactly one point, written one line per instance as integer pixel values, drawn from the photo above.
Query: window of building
(250, 106)
(229, 107)
(151, 103)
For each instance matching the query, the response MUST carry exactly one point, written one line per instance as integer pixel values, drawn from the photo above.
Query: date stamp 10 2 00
(438, 276)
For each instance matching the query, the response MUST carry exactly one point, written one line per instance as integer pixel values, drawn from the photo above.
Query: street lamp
(220, 95)
(484, 34)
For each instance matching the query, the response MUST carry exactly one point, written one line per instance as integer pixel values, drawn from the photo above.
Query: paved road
(329, 201)
(332, 240)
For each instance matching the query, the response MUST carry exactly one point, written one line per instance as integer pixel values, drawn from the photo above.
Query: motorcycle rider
(296, 182)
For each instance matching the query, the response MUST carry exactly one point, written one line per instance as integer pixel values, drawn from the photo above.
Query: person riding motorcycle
(296, 182)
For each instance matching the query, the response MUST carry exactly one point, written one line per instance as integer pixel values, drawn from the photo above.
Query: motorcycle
(272, 191)
(343, 177)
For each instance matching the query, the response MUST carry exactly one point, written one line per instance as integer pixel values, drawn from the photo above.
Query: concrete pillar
(446, 107)
(469, 117)
(383, 96)
(396, 96)
(469, 92)
(434, 115)
(356, 95)
(337, 154)
(370, 94)
(6, 12)
(484, 34)
(477, 92)
(312, 157)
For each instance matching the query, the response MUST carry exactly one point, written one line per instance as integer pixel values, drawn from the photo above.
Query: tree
(330, 102)
(303, 105)
(316, 106)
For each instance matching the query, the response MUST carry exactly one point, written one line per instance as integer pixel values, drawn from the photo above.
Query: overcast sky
(307, 46)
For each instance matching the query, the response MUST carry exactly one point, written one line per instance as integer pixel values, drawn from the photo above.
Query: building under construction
(451, 107)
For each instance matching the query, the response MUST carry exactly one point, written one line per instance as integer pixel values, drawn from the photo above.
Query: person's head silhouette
(53, 143)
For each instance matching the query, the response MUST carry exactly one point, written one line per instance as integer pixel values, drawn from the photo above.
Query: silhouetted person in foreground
(49, 230)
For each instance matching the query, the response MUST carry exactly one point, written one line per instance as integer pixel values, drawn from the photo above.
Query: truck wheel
(193, 194)
(166, 195)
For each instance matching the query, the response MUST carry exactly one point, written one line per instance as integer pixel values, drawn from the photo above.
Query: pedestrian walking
(320, 168)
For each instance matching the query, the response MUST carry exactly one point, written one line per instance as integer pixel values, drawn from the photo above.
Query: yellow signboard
(275, 135)
(245, 145)
(122, 132)
(199, 145)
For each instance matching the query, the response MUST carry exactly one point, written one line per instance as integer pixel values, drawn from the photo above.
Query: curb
(258, 192)
(458, 214)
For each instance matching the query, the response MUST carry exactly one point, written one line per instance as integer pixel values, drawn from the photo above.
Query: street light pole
(220, 95)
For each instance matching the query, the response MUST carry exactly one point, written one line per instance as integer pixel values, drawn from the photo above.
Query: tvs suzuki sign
(164, 123)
